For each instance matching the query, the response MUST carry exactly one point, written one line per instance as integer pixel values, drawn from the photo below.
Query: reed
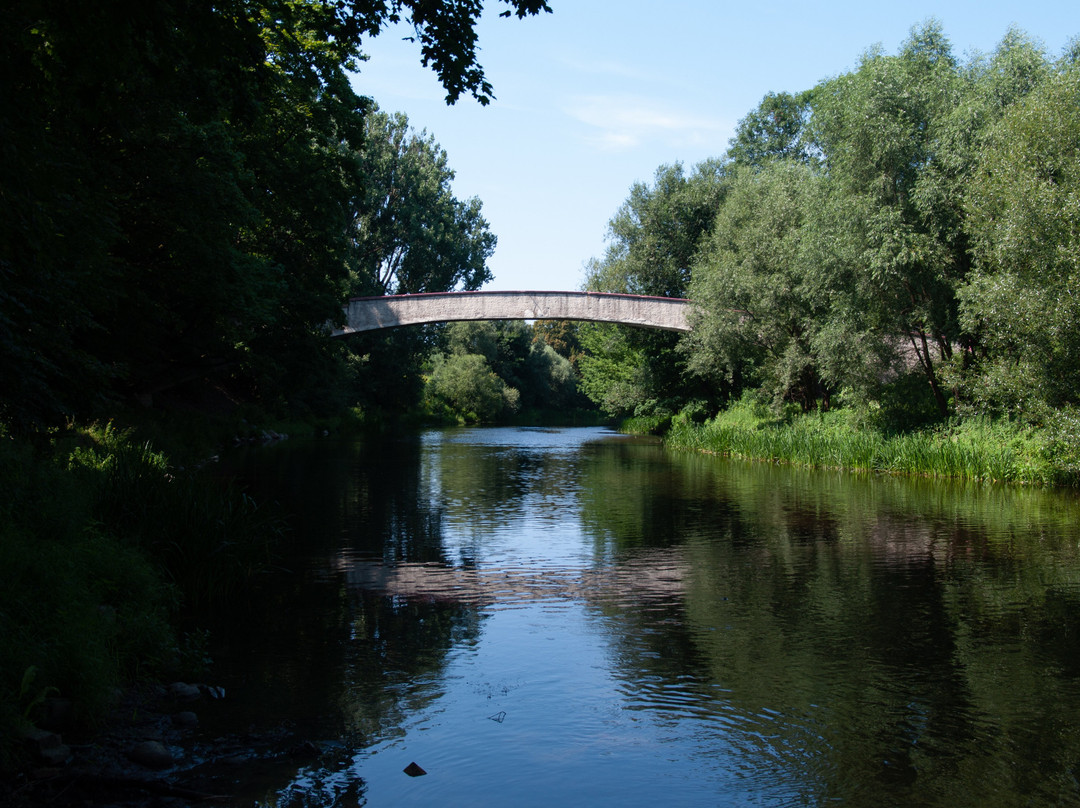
(974, 449)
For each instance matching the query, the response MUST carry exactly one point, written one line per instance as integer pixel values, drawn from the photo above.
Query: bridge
(391, 311)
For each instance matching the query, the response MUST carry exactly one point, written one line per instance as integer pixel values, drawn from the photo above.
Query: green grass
(973, 449)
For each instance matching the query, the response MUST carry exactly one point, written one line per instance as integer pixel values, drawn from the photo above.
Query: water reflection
(874, 633)
(659, 627)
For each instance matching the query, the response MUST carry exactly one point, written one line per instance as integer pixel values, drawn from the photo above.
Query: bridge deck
(390, 311)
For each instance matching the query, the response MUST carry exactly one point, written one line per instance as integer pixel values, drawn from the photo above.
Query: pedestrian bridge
(391, 311)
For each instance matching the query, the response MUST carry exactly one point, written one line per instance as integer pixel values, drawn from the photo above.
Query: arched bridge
(390, 311)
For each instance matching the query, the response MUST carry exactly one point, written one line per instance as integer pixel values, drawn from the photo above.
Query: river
(550, 617)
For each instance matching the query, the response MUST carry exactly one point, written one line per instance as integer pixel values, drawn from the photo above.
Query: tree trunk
(922, 350)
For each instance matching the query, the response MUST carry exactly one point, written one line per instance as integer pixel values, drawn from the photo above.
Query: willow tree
(880, 129)
(1023, 300)
(761, 302)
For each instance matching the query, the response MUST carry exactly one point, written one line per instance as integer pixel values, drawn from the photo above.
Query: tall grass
(974, 449)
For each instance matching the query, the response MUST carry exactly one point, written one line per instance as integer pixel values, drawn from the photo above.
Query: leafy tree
(562, 336)
(412, 234)
(1024, 209)
(543, 379)
(614, 372)
(465, 385)
(775, 130)
(177, 184)
(653, 237)
(655, 233)
(763, 303)
(879, 129)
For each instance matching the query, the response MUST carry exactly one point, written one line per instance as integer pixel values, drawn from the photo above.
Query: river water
(543, 617)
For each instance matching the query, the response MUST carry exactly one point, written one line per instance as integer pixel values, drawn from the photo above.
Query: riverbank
(974, 449)
(112, 552)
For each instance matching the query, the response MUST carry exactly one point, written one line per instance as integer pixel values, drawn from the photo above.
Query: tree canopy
(181, 188)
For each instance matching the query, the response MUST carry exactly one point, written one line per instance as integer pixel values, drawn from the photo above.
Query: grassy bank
(104, 542)
(975, 449)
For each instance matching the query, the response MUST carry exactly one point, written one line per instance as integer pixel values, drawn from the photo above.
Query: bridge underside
(391, 311)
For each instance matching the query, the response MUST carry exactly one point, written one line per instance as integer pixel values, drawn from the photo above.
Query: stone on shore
(151, 754)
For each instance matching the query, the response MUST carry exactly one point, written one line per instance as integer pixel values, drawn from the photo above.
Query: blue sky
(597, 95)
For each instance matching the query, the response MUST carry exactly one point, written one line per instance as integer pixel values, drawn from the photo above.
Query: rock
(185, 718)
(59, 755)
(413, 770)
(181, 691)
(213, 691)
(48, 747)
(151, 754)
(304, 749)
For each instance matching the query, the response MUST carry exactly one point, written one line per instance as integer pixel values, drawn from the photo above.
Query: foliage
(614, 373)
(654, 235)
(884, 131)
(412, 234)
(180, 181)
(765, 298)
(562, 336)
(487, 371)
(207, 536)
(464, 384)
(653, 239)
(79, 609)
(775, 130)
(1025, 223)
(101, 541)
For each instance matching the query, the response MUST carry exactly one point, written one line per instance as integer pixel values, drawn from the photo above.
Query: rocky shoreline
(148, 753)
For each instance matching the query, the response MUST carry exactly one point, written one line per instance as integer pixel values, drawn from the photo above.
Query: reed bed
(976, 449)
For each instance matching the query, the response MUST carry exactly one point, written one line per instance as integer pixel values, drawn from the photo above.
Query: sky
(597, 95)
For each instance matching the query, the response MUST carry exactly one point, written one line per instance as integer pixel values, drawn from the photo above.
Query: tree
(465, 385)
(762, 302)
(562, 336)
(446, 31)
(1024, 209)
(412, 234)
(653, 237)
(655, 233)
(543, 379)
(881, 130)
(176, 185)
(776, 130)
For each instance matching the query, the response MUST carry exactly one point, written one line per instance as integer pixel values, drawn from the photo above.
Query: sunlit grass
(974, 449)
